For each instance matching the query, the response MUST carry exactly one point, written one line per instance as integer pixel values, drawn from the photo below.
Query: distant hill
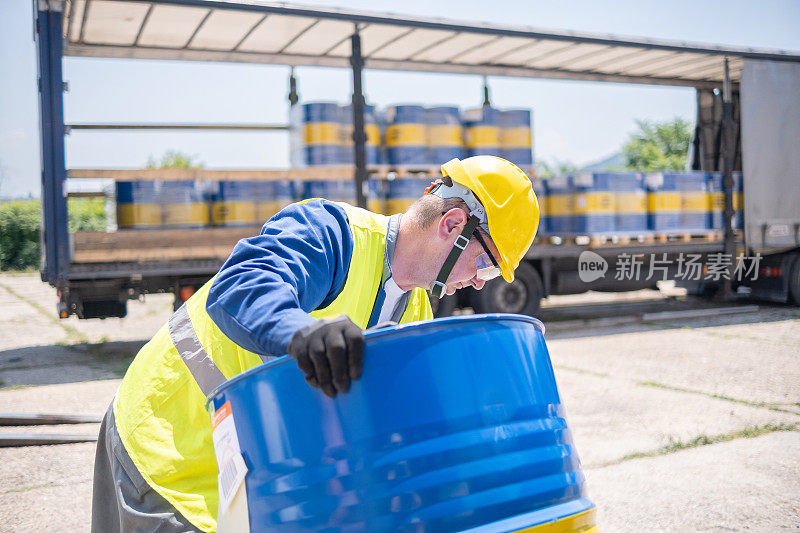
(613, 162)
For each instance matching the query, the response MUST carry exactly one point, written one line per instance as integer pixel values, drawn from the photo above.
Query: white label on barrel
(232, 468)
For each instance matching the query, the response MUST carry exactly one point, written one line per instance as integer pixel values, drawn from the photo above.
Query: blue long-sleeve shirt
(266, 288)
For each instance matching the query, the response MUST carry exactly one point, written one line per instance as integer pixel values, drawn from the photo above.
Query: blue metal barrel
(482, 131)
(184, 204)
(560, 205)
(715, 201)
(541, 196)
(594, 203)
(406, 138)
(138, 204)
(445, 135)
(272, 196)
(233, 203)
(402, 192)
(373, 144)
(663, 202)
(322, 135)
(630, 203)
(738, 200)
(516, 143)
(344, 191)
(456, 424)
(334, 190)
(694, 200)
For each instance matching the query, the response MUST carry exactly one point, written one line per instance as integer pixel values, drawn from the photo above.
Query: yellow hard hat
(507, 196)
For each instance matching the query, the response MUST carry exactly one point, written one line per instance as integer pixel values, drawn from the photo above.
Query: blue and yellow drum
(138, 204)
(715, 201)
(455, 425)
(594, 203)
(560, 205)
(630, 203)
(373, 144)
(271, 197)
(694, 200)
(402, 192)
(663, 202)
(344, 191)
(540, 191)
(482, 132)
(322, 135)
(184, 204)
(516, 141)
(445, 135)
(738, 200)
(233, 203)
(333, 190)
(406, 136)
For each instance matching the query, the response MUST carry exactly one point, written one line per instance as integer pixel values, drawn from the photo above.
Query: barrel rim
(384, 332)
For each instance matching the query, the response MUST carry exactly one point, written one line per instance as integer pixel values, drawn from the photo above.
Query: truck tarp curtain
(706, 150)
(770, 128)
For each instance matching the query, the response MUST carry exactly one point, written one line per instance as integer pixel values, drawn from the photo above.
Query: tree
(659, 145)
(555, 168)
(174, 159)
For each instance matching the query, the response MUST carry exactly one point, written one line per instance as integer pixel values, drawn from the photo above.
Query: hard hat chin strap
(438, 287)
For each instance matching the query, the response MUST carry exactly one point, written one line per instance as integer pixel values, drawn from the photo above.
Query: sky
(574, 121)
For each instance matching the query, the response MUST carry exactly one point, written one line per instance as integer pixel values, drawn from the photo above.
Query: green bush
(20, 223)
(659, 145)
(87, 214)
(19, 234)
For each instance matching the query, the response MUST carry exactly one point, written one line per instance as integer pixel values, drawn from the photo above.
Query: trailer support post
(728, 150)
(359, 135)
(55, 236)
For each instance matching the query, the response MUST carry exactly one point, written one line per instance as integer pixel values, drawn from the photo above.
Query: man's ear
(452, 221)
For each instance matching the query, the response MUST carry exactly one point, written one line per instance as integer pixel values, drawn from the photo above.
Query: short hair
(427, 209)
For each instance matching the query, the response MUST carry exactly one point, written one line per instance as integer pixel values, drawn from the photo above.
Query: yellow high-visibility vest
(160, 405)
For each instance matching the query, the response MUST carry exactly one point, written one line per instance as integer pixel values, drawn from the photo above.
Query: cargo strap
(197, 360)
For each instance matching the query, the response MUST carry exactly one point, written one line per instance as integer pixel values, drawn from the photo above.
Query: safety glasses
(485, 263)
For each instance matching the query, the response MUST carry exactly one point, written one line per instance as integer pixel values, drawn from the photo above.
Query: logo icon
(591, 266)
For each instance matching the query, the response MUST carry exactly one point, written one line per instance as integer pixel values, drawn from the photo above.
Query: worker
(318, 274)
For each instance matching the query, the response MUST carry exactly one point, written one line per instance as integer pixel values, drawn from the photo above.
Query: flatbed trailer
(95, 275)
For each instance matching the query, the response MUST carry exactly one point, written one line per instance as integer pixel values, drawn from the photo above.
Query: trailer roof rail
(264, 32)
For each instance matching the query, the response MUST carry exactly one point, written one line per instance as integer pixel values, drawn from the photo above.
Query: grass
(21, 271)
(112, 356)
(30, 487)
(73, 334)
(3, 386)
(764, 405)
(705, 440)
(582, 371)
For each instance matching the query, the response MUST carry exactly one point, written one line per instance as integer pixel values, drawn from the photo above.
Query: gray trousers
(122, 500)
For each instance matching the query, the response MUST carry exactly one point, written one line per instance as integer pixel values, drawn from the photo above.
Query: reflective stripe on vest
(201, 366)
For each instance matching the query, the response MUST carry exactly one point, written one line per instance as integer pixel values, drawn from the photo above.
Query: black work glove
(329, 352)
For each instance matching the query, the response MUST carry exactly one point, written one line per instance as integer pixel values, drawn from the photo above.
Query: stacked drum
(482, 131)
(406, 135)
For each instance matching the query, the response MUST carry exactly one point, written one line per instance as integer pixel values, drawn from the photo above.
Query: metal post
(359, 135)
(293, 97)
(728, 154)
(486, 101)
(55, 236)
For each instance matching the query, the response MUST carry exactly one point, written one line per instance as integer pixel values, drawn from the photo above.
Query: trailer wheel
(794, 280)
(445, 306)
(522, 297)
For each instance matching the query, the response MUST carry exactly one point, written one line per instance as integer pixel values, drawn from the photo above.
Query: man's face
(465, 272)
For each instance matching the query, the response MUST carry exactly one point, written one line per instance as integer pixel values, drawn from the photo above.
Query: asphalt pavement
(687, 424)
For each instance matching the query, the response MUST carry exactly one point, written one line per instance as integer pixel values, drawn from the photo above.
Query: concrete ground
(682, 425)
